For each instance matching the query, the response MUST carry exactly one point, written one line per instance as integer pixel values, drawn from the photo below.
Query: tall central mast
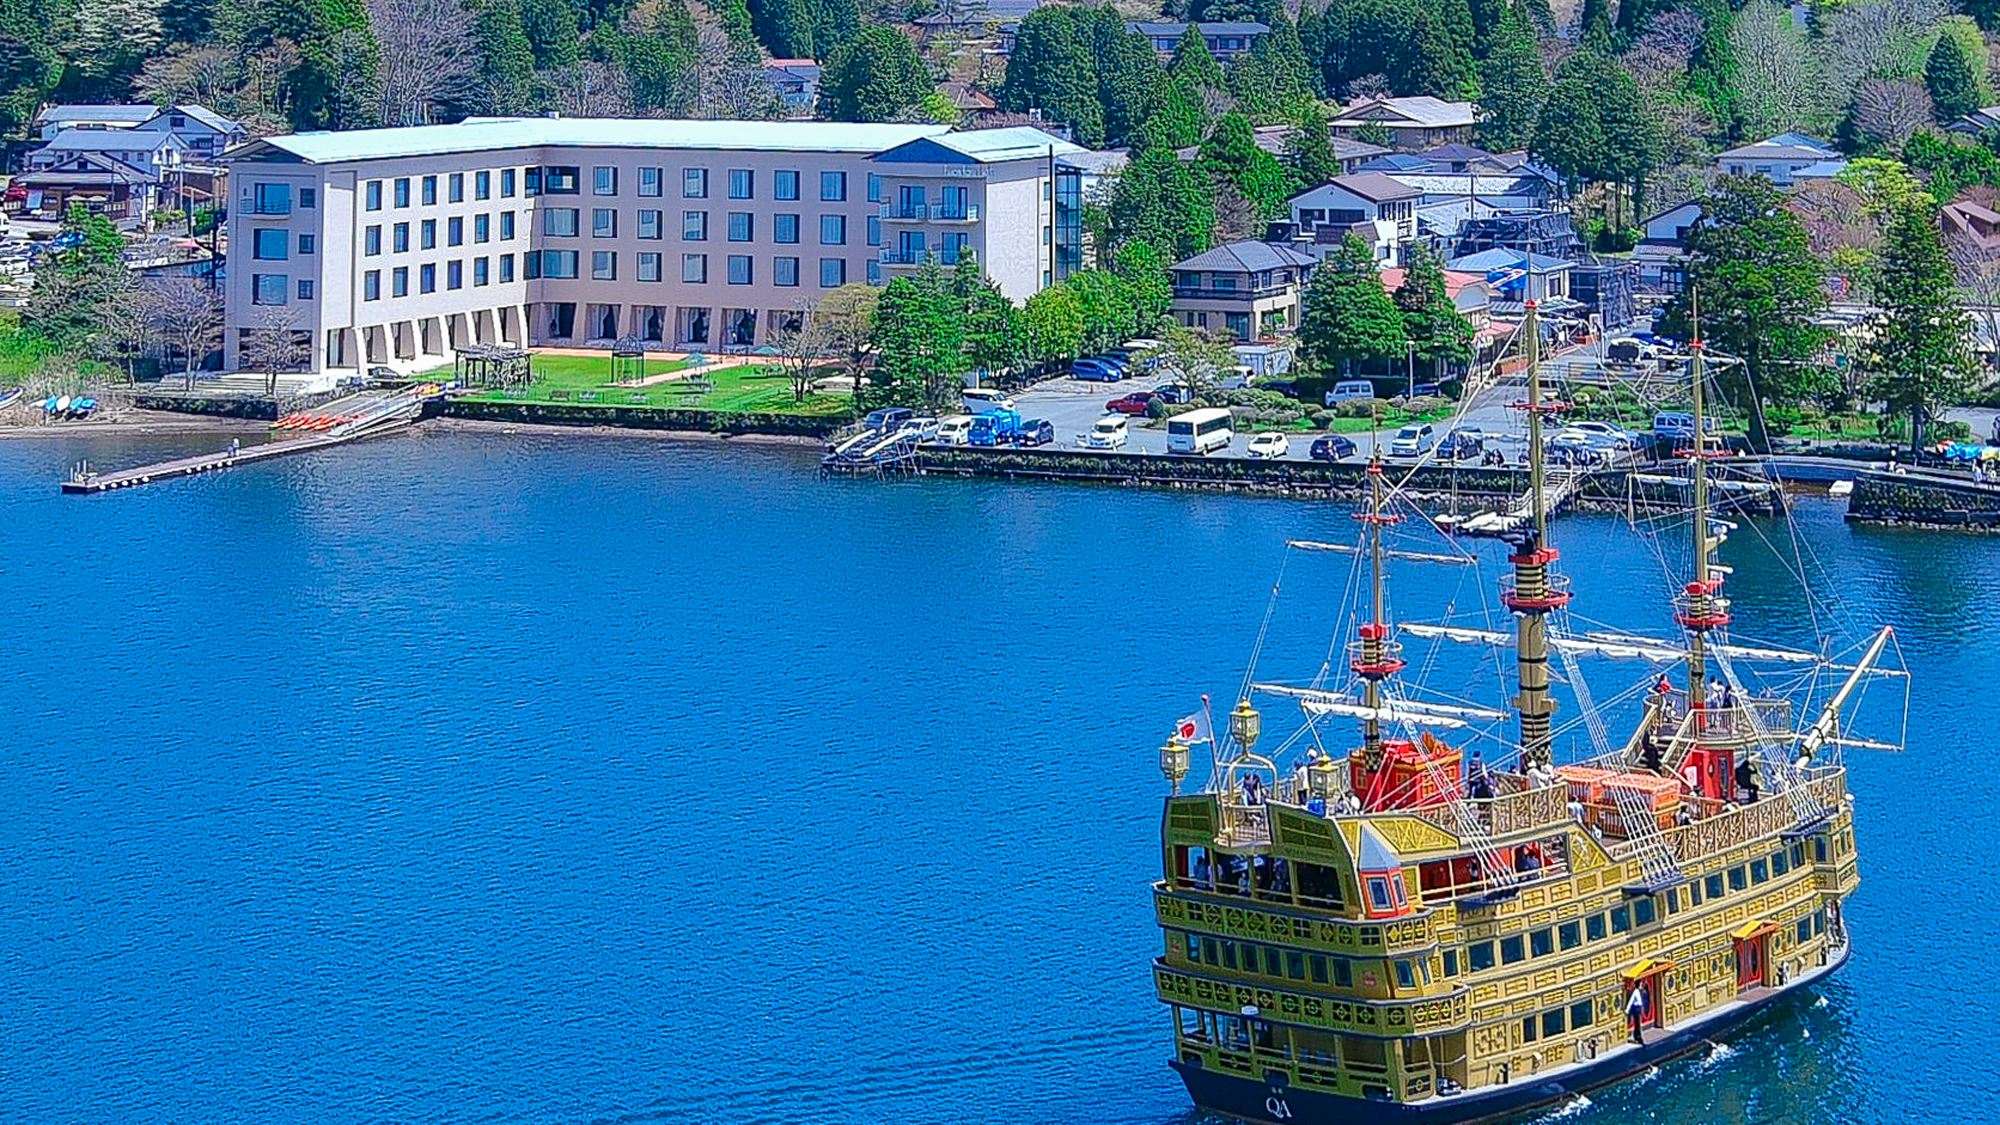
(1376, 657)
(1698, 609)
(1531, 591)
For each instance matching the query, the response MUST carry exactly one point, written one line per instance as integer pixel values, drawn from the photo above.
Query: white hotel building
(396, 247)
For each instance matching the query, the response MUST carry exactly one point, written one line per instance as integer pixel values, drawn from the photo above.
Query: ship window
(1542, 942)
(1621, 919)
(1274, 963)
(1424, 969)
(1210, 952)
(1714, 885)
(1552, 1023)
(1779, 864)
(1318, 969)
(1194, 949)
(1673, 901)
(1318, 885)
(1819, 921)
(1451, 962)
(1229, 954)
(1760, 872)
(1594, 926)
(1643, 911)
(1738, 879)
(1528, 1030)
(1512, 950)
(1805, 925)
(1819, 849)
(1404, 977)
(1570, 934)
(1295, 962)
(1343, 972)
(1378, 893)
(1799, 854)
(1579, 1015)
(1479, 956)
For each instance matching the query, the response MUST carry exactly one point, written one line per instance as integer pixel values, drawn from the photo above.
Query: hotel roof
(482, 134)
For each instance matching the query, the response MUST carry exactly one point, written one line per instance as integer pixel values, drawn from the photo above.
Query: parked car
(1332, 447)
(1287, 387)
(1174, 394)
(1036, 431)
(1460, 445)
(1426, 390)
(1096, 371)
(1412, 440)
(1135, 403)
(955, 430)
(1618, 435)
(1348, 389)
(1110, 432)
(1271, 444)
(979, 400)
(925, 428)
(887, 420)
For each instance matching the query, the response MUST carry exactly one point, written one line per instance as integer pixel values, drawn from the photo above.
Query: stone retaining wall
(1924, 500)
(647, 418)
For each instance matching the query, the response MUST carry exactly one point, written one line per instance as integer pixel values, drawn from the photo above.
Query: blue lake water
(470, 777)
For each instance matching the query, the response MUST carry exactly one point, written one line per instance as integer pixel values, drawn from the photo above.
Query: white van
(979, 400)
(1348, 389)
(1200, 431)
(1412, 440)
(955, 430)
(1110, 432)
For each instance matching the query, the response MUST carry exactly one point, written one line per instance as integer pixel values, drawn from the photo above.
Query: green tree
(1230, 155)
(1348, 316)
(1274, 76)
(1568, 133)
(1051, 70)
(1951, 167)
(876, 76)
(1513, 84)
(552, 31)
(1144, 271)
(1193, 64)
(1441, 63)
(920, 339)
(993, 341)
(1439, 335)
(1310, 145)
(1109, 314)
(1761, 289)
(1919, 359)
(661, 54)
(1164, 201)
(1053, 322)
(75, 286)
(507, 59)
(1948, 75)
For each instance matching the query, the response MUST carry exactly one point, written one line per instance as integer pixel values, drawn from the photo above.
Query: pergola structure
(628, 359)
(491, 365)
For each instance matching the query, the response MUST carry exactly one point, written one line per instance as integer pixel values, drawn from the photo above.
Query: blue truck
(996, 427)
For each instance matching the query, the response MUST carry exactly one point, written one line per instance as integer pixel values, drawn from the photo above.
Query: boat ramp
(872, 452)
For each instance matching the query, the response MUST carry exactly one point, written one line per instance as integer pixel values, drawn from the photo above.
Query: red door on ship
(1750, 961)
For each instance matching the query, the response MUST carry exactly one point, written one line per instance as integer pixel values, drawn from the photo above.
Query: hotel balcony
(910, 259)
(927, 213)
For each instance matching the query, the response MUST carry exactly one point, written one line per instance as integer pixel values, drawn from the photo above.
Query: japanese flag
(1194, 728)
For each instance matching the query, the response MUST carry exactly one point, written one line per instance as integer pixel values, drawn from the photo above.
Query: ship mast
(1376, 657)
(1531, 591)
(1698, 609)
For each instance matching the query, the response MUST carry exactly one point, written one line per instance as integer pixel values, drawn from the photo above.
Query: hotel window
(651, 181)
(739, 269)
(371, 286)
(833, 187)
(374, 195)
(785, 184)
(531, 182)
(430, 191)
(402, 191)
(875, 230)
(271, 199)
(742, 183)
(305, 244)
(399, 282)
(455, 188)
(649, 265)
(604, 181)
(559, 222)
(604, 265)
(604, 222)
(784, 228)
(428, 238)
(427, 278)
(874, 188)
(506, 225)
(271, 246)
(506, 183)
(482, 185)
(832, 272)
(479, 271)
(559, 263)
(454, 231)
(833, 230)
(454, 274)
(650, 225)
(694, 183)
(740, 226)
(785, 272)
(694, 226)
(694, 268)
(561, 180)
(308, 198)
(506, 267)
(269, 288)
(400, 238)
(482, 228)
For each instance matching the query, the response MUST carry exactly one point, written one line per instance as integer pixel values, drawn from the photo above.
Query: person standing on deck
(1635, 1009)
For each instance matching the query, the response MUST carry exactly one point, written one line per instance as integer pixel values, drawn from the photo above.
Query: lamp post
(1174, 762)
(1245, 724)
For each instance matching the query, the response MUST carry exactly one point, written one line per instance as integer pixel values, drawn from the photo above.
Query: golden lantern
(1245, 724)
(1320, 774)
(1174, 761)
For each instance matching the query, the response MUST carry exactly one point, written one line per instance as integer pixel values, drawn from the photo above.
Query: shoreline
(449, 424)
(136, 422)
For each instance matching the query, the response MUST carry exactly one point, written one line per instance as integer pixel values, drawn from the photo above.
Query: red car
(1134, 403)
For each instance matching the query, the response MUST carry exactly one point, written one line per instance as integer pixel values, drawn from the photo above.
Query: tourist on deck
(1663, 687)
(1253, 787)
(1746, 780)
(1635, 1009)
(1649, 751)
(1201, 877)
(1478, 783)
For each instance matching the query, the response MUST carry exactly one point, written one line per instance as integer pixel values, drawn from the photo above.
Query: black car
(1332, 447)
(1287, 387)
(1036, 431)
(1459, 446)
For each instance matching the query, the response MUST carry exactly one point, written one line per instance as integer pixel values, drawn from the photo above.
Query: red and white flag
(1194, 728)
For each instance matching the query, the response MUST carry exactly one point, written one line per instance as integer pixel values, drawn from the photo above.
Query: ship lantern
(1245, 724)
(1174, 761)
(1320, 773)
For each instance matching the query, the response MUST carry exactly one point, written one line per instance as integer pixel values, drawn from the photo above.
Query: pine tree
(785, 27)
(1230, 155)
(1193, 64)
(506, 59)
(1051, 69)
(1513, 85)
(1568, 134)
(992, 324)
(1920, 357)
(661, 56)
(1948, 76)
(1348, 316)
(876, 76)
(1438, 334)
(1131, 83)
(1164, 202)
(1310, 146)
(920, 337)
(1441, 65)
(552, 32)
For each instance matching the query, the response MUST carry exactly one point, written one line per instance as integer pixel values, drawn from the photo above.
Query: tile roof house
(56, 119)
(1225, 40)
(100, 182)
(1245, 289)
(1517, 275)
(1414, 123)
(152, 152)
(796, 82)
(1778, 158)
(1469, 293)
(1331, 211)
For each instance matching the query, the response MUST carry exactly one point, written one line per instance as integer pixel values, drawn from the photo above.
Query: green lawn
(569, 379)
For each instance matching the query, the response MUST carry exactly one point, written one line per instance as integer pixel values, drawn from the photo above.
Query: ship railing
(1743, 720)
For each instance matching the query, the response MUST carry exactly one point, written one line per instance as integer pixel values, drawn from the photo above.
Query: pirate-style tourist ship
(1395, 930)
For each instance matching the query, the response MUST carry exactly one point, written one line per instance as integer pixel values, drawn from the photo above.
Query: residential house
(1776, 158)
(1395, 163)
(54, 120)
(976, 17)
(969, 100)
(1469, 293)
(152, 152)
(99, 182)
(1225, 40)
(1439, 187)
(1462, 159)
(205, 133)
(1277, 140)
(1824, 170)
(796, 82)
(1245, 289)
(1329, 212)
(1517, 275)
(1977, 123)
(1663, 246)
(1974, 225)
(1414, 124)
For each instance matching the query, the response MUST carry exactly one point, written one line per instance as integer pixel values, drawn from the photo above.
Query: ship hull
(1250, 1100)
